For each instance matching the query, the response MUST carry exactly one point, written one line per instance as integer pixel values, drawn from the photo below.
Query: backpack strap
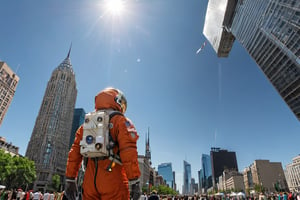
(112, 156)
(111, 115)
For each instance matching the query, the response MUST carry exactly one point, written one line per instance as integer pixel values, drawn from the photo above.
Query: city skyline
(190, 101)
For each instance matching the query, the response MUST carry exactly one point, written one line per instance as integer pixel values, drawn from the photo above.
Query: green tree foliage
(259, 188)
(56, 182)
(16, 171)
(144, 189)
(164, 190)
(5, 166)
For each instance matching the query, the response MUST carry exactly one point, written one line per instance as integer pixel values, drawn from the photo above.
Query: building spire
(148, 151)
(69, 51)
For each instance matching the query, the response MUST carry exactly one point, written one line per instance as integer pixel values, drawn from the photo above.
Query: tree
(259, 188)
(16, 171)
(56, 182)
(5, 166)
(163, 189)
(144, 189)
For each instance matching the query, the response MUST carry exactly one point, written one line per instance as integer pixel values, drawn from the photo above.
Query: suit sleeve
(127, 137)
(74, 158)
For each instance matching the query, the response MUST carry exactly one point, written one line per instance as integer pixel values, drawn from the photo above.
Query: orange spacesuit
(103, 178)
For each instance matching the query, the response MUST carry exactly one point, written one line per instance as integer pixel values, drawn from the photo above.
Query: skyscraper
(200, 181)
(187, 178)
(49, 143)
(78, 120)
(207, 172)
(270, 32)
(165, 170)
(220, 161)
(8, 84)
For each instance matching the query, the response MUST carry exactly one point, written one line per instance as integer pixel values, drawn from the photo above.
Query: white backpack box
(95, 139)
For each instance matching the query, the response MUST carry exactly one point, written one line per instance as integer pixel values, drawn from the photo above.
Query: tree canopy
(16, 171)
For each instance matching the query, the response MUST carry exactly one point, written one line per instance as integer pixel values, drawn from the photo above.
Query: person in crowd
(153, 195)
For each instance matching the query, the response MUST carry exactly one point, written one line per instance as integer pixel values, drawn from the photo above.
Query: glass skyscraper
(49, 143)
(78, 120)
(187, 178)
(207, 172)
(165, 170)
(269, 30)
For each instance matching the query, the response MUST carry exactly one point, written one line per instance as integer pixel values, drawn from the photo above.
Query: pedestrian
(46, 195)
(153, 195)
(144, 196)
(37, 195)
(115, 175)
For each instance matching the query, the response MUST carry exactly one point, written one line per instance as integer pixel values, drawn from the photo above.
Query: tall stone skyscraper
(49, 143)
(269, 30)
(8, 84)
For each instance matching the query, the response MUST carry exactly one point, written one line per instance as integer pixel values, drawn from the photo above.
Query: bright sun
(115, 7)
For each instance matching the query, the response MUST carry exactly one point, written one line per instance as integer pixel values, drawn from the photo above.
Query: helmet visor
(121, 100)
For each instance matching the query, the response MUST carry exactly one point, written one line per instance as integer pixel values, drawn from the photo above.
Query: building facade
(49, 143)
(292, 174)
(270, 32)
(268, 175)
(8, 147)
(8, 85)
(78, 120)
(231, 180)
(221, 160)
(165, 170)
(146, 178)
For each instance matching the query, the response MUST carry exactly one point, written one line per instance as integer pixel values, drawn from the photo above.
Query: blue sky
(191, 102)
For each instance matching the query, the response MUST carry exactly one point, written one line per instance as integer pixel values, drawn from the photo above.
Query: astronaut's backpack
(96, 140)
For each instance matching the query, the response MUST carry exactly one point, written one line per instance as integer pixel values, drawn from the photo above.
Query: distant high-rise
(147, 150)
(187, 178)
(220, 161)
(78, 120)
(206, 172)
(269, 31)
(201, 181)
(8, 84)
(49, 143)
(165, 170)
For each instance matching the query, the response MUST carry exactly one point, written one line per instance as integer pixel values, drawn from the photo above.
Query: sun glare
(115, 7)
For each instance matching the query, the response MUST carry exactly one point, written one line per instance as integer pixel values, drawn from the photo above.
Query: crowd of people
(261, 196)
(19, 194)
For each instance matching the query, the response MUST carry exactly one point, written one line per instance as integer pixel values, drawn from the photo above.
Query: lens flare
(115, 7)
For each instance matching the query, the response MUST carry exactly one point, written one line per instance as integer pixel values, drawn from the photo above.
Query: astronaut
(105, 179)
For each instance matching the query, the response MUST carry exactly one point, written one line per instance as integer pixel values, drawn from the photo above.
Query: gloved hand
(135, 191)
(71, 189)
